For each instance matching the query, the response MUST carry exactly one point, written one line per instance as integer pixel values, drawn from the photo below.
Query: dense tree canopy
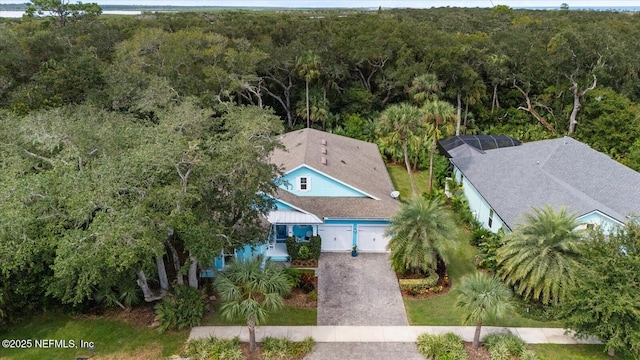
(604, 302)
(128, 143)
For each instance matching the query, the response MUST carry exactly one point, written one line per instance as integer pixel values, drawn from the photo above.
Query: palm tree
(308, 67)
(249, 290)
(437, 112)
(425, 87)
(421, 231)
(316, 108)
(481, 297)
(400, 122)
(540, 257)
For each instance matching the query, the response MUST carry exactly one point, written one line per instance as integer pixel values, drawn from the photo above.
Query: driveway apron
(360, 290)
(365, 351)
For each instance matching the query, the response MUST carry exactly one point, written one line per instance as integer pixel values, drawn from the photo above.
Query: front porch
(277, 251)
(287, 224)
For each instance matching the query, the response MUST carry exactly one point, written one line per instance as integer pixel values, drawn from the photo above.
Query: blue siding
(354, 223)
(319, 185)
(596, 218)
(282, 206)
(478, 206)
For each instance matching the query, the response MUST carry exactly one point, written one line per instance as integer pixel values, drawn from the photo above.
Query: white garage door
(336, 238)
(372, 239)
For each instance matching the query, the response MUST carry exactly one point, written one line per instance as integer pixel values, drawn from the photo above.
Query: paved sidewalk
(382, 334)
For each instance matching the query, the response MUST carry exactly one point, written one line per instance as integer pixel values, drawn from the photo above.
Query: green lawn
(440, 310)
(401, 181)
(573, 352)
(112, 339)
(286, 316)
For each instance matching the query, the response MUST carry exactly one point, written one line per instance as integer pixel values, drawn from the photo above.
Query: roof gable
(320, 184)
(355, 163)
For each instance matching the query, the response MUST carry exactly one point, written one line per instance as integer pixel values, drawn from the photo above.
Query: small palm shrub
(182, 309)
(294, 276)
(529, 355)
(278, 348)
(446, 346)
(214, 348)
(503, 346)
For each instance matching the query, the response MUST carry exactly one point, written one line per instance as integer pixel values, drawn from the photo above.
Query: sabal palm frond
(481, 297)
(250, 290)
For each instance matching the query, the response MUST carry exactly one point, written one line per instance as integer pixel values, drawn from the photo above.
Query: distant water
(18, 14)
(592, 8)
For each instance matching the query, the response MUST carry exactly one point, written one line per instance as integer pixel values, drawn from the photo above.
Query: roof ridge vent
(324, 150)
(323, 142)
(323, 160)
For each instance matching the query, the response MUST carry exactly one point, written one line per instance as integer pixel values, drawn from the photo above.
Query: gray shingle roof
(557, 172)
(353, 162)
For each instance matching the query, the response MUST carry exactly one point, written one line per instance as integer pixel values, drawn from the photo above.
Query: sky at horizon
(367, 3)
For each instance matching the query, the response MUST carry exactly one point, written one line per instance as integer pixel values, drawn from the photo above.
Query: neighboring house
(504, 181)
(332, 186)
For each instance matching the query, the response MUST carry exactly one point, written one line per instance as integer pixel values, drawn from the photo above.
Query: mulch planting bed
(311, 263)
(300, 299)
(480, 354)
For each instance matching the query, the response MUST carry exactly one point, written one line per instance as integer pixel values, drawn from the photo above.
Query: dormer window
(304, 183)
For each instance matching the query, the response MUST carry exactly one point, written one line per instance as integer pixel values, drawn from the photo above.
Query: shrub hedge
(446, 346)
(182, 309)
(214, 348)
(293, 248)
(419, 285)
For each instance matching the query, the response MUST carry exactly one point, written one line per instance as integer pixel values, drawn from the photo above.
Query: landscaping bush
(313, 296)
(307, 282)
(488, 246)
(278, 348)
(182, 309)
(293, 248)
(293, 275)
(480, 235)
(503, 346)
(529, 355)
(417, 286)
(446, 346)
(537, 311)
(214, 348)
(303, 253)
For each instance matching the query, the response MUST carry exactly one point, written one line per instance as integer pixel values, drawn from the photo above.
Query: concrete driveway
(360, 290)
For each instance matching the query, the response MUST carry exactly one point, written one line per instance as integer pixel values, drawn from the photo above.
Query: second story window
(304, 183)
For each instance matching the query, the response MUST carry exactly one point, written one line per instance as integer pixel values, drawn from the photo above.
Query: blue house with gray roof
(501, 183)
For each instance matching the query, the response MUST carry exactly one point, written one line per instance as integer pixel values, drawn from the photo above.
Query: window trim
(307, 183)
(490, 222)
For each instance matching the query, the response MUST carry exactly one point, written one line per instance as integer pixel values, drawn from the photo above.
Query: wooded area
(151, 131)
